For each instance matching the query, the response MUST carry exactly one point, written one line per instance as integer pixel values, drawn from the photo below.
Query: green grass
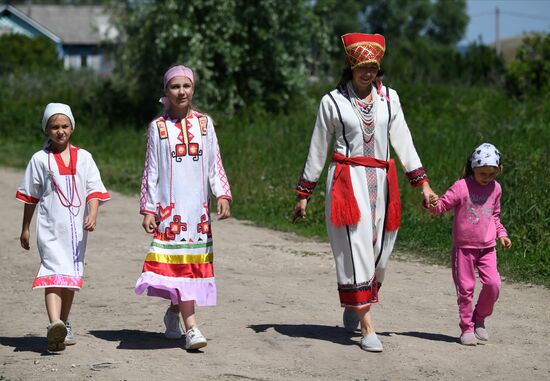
(264, 155)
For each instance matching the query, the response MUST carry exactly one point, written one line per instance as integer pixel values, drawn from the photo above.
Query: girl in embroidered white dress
(362, 202)
(183, 167)
(65, 183)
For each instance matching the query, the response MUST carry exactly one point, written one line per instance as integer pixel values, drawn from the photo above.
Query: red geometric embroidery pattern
(175, 228)
(221, 174)
(204, 225)
(144, 179)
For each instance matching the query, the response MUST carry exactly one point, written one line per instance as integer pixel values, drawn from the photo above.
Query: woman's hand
(24, 239)
(299, 210)
(149, 223)
(224, 209)
(506, 242)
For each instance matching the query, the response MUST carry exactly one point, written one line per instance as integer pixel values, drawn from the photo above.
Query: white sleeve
(94, 186)
(149, 181)
(31, 187)
(320, 144)
(219, 184)
(402, 142)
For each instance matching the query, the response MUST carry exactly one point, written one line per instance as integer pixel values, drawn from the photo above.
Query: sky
(516, 17)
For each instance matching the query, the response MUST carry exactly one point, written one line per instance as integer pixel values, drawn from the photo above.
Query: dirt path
(277, 316)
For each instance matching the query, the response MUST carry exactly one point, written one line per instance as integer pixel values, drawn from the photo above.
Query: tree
(242, 51)
(529, 72)
(19, 53)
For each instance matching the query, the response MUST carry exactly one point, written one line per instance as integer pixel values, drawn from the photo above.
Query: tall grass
(264, 155)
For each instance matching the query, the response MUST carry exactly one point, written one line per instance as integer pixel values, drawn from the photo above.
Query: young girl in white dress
(64, 182)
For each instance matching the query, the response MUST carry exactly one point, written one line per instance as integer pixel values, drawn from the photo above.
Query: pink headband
(178, 71)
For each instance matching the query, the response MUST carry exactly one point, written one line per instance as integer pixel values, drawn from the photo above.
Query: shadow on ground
(30, 343)
(339, 335)
(422, 335)
(136, 339)
(333, 334)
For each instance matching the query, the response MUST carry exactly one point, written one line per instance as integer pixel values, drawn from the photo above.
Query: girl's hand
(223, 209)
(506, 242)
(24, 239)
(90, 223)
(299, 210)
(149, 223)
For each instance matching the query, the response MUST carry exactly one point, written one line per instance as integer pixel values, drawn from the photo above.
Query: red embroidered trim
(98, 195)
(71, 168)
(57, 281)
(358, 295)
(305, 187)
(417, 176)
(26, 199)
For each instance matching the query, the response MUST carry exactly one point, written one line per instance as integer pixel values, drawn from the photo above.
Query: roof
(32, 28)
(73, 24)
(509, 46)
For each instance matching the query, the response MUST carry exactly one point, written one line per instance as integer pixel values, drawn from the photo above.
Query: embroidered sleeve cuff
(26, 199)
(305, 188)
(98, 195)
(225, 197)
(417, 177)
(145, 211)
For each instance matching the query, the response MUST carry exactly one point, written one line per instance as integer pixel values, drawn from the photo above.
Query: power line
(525, 15)
(516, 14)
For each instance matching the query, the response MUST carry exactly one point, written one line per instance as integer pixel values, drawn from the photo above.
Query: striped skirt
(179, 272)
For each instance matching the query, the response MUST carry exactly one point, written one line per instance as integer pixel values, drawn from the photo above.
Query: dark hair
(347, 76)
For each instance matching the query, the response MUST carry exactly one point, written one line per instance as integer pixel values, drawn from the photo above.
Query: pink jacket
(476, 223)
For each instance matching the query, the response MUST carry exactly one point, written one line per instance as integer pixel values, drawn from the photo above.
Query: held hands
(299, 210)
(223, 208)
(430, 197)
(24, 239)
(506, 242)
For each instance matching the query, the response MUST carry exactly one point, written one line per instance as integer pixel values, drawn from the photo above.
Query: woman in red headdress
(363, 212)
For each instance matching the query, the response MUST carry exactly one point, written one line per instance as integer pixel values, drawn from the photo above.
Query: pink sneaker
(468, 338)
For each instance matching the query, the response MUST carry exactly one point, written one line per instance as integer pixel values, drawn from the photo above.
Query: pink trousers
(465, 261)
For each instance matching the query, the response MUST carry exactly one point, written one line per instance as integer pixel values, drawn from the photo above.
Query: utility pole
(497, 30)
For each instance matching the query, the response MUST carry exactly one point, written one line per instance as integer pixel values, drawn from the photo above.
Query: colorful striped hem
(63, 281)
(191, 270)
(180, 259)
(203, 292)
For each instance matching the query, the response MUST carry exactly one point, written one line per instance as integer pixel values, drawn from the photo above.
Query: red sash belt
(344, 209)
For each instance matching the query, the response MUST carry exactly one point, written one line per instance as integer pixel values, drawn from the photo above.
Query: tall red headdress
(362, 49)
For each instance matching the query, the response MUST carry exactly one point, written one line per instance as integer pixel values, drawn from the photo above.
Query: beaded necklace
(63, 199)
(363, 110)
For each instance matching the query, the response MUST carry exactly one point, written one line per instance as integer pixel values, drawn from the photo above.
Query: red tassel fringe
(393, 219)
(344, 208)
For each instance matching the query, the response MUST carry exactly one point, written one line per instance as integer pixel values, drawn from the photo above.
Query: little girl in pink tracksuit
(475, 199)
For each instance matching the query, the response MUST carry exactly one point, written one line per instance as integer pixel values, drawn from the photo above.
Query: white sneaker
(194, 339)
(173, 325)
(371, 343)
(69, 339)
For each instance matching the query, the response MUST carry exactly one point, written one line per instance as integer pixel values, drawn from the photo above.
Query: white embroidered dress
(61, 238)
(361, 251)
(183, 168)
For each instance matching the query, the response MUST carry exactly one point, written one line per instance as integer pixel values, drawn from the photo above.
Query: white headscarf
(56, 108)
(486, 155)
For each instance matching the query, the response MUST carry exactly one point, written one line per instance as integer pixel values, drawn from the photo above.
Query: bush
(19, 54)
(530, 70)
